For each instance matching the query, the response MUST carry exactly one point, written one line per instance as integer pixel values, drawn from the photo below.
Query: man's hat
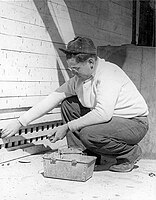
(80, 45)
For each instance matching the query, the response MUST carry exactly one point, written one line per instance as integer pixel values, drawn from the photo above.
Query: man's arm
(47, 104)
(35, 112)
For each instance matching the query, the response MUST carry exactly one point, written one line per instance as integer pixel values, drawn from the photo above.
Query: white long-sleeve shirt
(109, 92)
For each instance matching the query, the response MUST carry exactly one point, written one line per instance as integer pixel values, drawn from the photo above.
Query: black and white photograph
(78, 99)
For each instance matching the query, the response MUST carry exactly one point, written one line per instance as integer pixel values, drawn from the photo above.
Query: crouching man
(102, 110)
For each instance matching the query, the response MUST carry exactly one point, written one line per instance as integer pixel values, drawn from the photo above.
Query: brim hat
(80, 45)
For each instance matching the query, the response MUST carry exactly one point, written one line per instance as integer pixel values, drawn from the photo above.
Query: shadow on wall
(87, 16)
(87, 27)
(114, 54)
(45, 14)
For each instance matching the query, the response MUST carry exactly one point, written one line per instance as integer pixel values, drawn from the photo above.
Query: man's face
(82, 69)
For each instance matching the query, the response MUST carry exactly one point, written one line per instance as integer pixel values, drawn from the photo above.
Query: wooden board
(8, 155)
(29, 140)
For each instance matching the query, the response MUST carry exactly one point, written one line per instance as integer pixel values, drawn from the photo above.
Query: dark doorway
(147, 23)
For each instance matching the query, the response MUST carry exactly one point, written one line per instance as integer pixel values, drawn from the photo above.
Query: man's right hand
(10, 129)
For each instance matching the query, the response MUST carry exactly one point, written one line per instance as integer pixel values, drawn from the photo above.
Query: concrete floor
(23, 180)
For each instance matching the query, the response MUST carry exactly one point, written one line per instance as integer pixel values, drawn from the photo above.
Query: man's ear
(91, 62)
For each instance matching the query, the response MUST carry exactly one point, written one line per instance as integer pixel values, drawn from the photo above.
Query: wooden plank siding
(31, 33)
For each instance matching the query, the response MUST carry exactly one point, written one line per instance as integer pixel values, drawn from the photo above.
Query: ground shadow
(105, 164)
(105, 167)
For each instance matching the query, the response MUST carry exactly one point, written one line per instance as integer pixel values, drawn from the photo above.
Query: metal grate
(29, 135)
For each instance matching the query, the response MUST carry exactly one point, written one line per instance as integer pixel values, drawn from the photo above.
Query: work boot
(123, 165)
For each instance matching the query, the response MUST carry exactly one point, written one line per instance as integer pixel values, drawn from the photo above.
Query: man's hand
(10, 129)
(58, 133)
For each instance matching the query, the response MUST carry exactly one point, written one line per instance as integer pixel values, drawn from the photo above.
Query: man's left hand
(58, 133)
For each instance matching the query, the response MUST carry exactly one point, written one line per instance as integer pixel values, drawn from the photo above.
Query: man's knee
(85, 136)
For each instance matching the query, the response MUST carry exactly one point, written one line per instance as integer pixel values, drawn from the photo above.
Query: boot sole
(128, 170)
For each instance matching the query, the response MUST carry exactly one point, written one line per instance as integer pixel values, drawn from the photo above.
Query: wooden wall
(31, 31)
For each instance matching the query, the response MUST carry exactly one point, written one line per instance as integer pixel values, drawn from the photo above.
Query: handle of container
(73, 162)
(70, 151)
(53, 161)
